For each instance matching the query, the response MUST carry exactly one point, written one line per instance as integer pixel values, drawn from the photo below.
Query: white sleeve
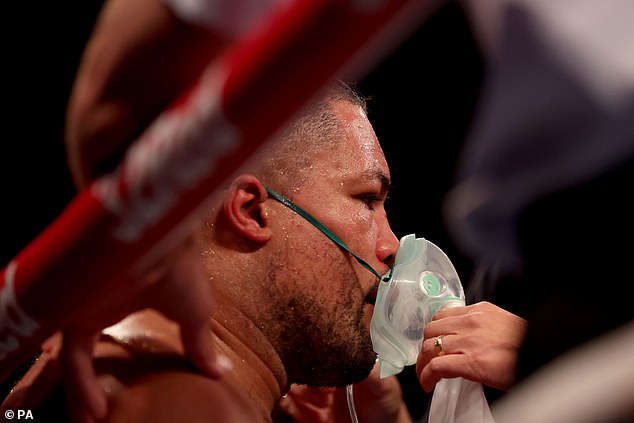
(231, 17)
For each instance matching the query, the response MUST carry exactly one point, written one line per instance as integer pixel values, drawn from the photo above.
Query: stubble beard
(323, 347)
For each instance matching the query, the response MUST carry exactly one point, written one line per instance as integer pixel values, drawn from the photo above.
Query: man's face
(326, 297)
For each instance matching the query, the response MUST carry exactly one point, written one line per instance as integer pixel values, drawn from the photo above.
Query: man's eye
(371, 200)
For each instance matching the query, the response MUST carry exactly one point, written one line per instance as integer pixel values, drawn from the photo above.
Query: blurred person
(552, 136)
(539, 200)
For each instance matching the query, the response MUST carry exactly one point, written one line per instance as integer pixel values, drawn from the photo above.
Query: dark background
(422, 95)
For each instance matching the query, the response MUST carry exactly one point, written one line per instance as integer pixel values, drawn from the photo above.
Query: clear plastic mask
(422, 281)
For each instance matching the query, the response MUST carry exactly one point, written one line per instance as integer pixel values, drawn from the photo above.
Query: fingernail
(216, 366)
(223, 364)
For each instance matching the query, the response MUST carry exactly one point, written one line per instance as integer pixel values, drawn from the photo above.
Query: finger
(184, 296)
(85, 397)
(288, 407)
(309, 404)
(375, 388)
(320, 397)
(447, 325)
(200, 348)
(53, 343)
(429, 350)
(450, 311)
(446, 366)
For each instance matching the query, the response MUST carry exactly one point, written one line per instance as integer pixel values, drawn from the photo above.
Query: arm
(139, 58)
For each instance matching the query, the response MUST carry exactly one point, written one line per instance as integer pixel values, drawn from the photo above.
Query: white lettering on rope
(175, 154)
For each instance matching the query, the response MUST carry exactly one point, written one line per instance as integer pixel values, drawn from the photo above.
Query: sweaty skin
(291, 306)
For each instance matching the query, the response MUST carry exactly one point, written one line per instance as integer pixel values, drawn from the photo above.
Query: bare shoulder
(146, 379)
(177, 394)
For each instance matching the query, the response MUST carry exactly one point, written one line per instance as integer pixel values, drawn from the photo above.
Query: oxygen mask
(421, 281)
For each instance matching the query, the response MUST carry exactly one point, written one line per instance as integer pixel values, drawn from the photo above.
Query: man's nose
(387, 246)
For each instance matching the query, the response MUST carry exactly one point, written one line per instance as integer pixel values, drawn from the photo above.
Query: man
(290, 305)
(119, 89)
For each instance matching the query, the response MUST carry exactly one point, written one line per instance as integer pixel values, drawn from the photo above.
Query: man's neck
(258, 368)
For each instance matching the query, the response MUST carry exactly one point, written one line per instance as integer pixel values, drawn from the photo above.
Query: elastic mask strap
(288, 203)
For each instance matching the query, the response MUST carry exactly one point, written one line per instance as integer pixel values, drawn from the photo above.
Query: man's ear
(244, 208)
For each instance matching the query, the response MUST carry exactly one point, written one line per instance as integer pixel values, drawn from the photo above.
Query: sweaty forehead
(360, 135)
(358, 154)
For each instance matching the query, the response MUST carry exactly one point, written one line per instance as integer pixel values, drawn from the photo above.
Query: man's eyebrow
(379, 175)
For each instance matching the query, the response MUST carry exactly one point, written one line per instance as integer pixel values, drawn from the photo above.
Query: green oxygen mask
(422, 281)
